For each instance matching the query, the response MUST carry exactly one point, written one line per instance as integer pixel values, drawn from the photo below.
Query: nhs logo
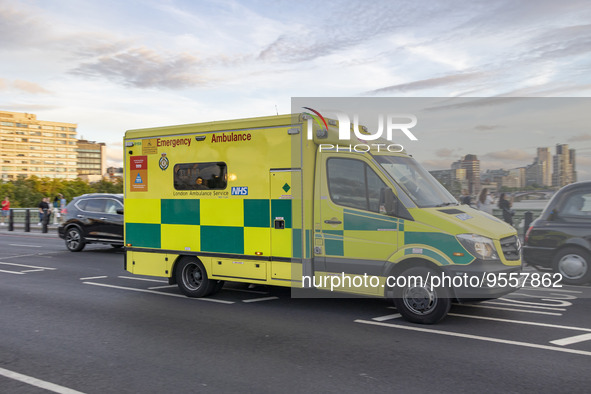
(240, 190)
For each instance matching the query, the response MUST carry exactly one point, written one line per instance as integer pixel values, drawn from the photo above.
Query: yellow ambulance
(281, 201)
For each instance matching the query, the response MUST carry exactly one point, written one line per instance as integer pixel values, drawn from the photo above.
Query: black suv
(560, 238)
(93, 218)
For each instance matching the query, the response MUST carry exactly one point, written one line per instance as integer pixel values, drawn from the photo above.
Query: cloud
(485, 127)
(437, 164)
(29, 87)
(445, 152)
(509, 154)
(145, 68)
(22, 86)
(430, 83)
(19, 27)
(580, 137)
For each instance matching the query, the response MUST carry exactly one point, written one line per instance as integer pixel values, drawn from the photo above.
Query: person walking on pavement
(485, 202)
(5, 209)
(56, 208)
(63, 203)
(44, 210)
(505, 206)
(466, 198)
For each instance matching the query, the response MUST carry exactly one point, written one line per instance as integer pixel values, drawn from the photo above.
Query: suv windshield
(421, 187)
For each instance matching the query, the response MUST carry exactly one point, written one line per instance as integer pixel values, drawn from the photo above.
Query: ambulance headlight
(481, 247)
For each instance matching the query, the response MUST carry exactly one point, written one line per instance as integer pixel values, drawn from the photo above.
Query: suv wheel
(74, 240)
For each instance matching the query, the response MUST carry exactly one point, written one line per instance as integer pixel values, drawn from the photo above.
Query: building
(544, 159)
(113, 174)
(453, 180)
(516, 178)
(91, 160)
(29, 146)
(471, 164)
(564, 166)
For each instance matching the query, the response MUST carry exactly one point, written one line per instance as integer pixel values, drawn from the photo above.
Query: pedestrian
(485, 202)
(63, 203)
(56, 206)
(44, 210)
(5, 209)
(505, 206)
(466, 199)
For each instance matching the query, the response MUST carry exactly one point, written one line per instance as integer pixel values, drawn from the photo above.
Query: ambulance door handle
(332, 221)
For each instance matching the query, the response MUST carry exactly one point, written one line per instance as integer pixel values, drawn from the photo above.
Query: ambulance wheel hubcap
(192, 276)
(419, 300)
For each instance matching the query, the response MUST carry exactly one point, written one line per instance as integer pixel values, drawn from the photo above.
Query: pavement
(19, 228)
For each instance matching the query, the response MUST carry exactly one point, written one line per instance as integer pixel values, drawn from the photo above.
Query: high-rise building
(453, 180)
(472, 166)
(91, 160)
(545, 160)
(515, 178)
(29, 146)
(564, 166)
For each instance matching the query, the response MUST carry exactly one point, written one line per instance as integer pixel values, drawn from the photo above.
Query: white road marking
(37, 382)
(144, 279)
(28, 266)
(476, 337)
(550, 289)
(522, 322)
(387, 317)
(37, 270)
(539, 297)
(29, 255)
(524, 306)
(27, 246)
(247, 291)
(12, 272)
(571, 340)
(558, 303)
(261, 299)
(511, 309)
(161, 287)
(94, 277)
(158, 293)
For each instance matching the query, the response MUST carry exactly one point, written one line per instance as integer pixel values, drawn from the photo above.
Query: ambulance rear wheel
(419, 303)
(192, 278)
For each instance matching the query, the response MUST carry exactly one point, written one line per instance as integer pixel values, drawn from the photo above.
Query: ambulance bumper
(483, 280)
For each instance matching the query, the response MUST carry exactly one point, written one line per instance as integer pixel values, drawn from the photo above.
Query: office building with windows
(91, 160)
(29, 146)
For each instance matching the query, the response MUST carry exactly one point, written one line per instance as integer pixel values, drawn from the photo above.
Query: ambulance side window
(200, 176)
(352, 183)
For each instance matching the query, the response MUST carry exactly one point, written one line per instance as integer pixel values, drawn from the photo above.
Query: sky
(110, 66)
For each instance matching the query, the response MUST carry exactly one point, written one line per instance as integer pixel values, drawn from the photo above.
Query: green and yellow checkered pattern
(230, 226)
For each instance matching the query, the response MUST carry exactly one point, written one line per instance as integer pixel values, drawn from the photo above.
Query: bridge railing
(519, 217)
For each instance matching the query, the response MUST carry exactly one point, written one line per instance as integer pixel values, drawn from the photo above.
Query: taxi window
(200, 176)
(578, 205)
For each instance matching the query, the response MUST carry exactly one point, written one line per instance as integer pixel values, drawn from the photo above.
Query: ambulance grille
(511, 248)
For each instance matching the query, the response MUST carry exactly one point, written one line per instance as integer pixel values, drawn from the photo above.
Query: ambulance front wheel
(192, 278)
(417, 301)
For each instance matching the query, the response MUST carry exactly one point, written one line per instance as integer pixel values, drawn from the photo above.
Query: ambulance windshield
(420, 186)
